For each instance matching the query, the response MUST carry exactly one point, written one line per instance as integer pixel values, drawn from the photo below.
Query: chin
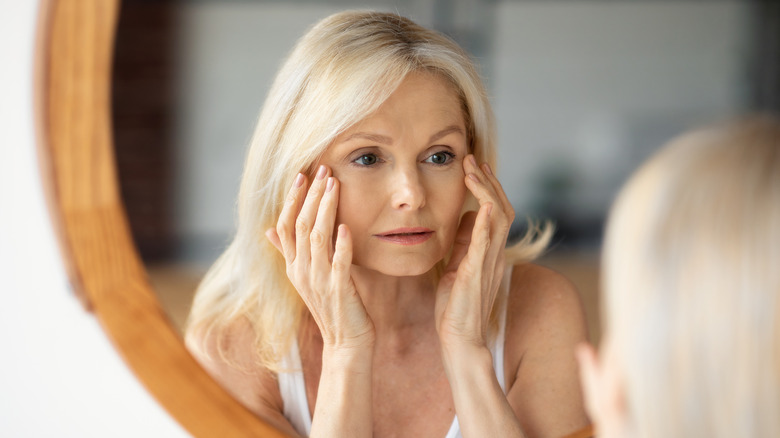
(401, 266)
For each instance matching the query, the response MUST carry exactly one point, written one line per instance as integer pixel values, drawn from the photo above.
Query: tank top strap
(293, 391)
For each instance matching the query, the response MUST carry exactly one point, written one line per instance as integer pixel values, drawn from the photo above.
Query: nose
(408, 192)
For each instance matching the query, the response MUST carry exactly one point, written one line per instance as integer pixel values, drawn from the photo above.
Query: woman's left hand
(471, 280)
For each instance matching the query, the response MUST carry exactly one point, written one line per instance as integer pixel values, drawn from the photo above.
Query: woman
(692, 292)
(373, 301)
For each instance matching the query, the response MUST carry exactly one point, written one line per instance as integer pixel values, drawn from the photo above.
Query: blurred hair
(691, 274)
(341, 71)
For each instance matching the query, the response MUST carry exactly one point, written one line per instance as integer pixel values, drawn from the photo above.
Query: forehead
(423, 100)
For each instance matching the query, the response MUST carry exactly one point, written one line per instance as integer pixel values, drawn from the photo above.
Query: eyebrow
(445, 132)
(377, 138)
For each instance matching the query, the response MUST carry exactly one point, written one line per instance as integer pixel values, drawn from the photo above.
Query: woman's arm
(344, 395)
(545, 323)
(320, 272)
(465, 297)
(481, 406)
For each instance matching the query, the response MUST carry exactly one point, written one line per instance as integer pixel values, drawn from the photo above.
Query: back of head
(691, 277)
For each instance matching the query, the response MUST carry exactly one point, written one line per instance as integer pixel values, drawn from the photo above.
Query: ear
(604, 390)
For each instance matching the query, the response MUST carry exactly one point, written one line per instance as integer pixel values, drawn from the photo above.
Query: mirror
(582, 89)
(621, 77)
(72, 111)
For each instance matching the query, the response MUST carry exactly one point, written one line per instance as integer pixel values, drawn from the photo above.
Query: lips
(406, 236)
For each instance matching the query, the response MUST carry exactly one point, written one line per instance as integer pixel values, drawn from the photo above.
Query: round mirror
(582, 69)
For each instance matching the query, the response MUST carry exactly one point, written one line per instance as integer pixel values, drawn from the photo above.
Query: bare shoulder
(230, 358)
(545, 322)
(544, 302)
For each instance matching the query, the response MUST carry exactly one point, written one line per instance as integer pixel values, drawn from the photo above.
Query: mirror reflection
(582, 92)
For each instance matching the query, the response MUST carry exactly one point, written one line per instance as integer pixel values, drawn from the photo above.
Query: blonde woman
(357, 298)
(692, 292)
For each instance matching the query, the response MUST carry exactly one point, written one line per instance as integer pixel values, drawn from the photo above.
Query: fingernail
(489, 208)
(321, 172)
(329, 184)
(486, 168)
(474, 177)
(472, 160)
(298, 180)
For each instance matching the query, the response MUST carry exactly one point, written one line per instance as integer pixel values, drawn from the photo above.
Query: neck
(396, 304)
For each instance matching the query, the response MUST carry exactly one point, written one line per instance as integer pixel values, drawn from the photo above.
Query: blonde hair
(691, 273)
(342, 70)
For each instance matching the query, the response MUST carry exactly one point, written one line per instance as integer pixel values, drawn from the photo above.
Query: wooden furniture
(73, 59)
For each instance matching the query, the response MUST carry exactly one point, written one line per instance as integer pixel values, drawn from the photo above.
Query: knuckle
(506, 227)
(301, 227)
(317, 238)
(339, 266)
(290, 198)
(484, 245)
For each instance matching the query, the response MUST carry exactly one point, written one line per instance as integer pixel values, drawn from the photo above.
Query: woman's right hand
(319, 268)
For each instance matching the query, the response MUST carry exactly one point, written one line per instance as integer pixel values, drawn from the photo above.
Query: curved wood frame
(73, 70)
(75, 48)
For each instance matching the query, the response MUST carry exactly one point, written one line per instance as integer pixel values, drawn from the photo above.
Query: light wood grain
(75, 145)
(73, 67)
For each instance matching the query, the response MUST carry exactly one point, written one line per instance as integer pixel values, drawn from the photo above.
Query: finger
(477, 182)
(342, 257)
(462, 240)
(499, 190)
(273, 237)
(497, 224)
(285, 227)
(472, 269)
(485, 190)
(322, 233)
(308, 214)
(479, 244)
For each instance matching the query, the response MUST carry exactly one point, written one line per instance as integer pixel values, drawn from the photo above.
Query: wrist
(342, 357)
(467, 360)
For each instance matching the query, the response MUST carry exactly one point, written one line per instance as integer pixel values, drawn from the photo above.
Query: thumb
(462, 240)
(443, 295)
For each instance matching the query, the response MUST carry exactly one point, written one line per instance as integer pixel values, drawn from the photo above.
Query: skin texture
(392, 352)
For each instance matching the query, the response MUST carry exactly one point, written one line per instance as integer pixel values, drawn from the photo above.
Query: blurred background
(583, 92)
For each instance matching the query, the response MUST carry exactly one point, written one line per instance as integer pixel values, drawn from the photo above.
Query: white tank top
(296, 404)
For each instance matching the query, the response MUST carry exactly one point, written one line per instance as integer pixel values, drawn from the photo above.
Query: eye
(366, 160)
(441, 158)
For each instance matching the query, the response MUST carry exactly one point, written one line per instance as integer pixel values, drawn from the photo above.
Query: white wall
(593, 87)
(59, 376)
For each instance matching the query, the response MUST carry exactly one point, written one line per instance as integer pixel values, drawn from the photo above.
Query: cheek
(449, 200)
(354, 200)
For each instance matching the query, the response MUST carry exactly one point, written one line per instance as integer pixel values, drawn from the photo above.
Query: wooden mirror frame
(73, 122)
(73, 58)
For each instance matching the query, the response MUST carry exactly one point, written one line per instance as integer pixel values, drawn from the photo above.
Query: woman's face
(402, 179)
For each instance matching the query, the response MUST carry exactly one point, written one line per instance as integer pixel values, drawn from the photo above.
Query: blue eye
(441, 158)
(366, 160)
